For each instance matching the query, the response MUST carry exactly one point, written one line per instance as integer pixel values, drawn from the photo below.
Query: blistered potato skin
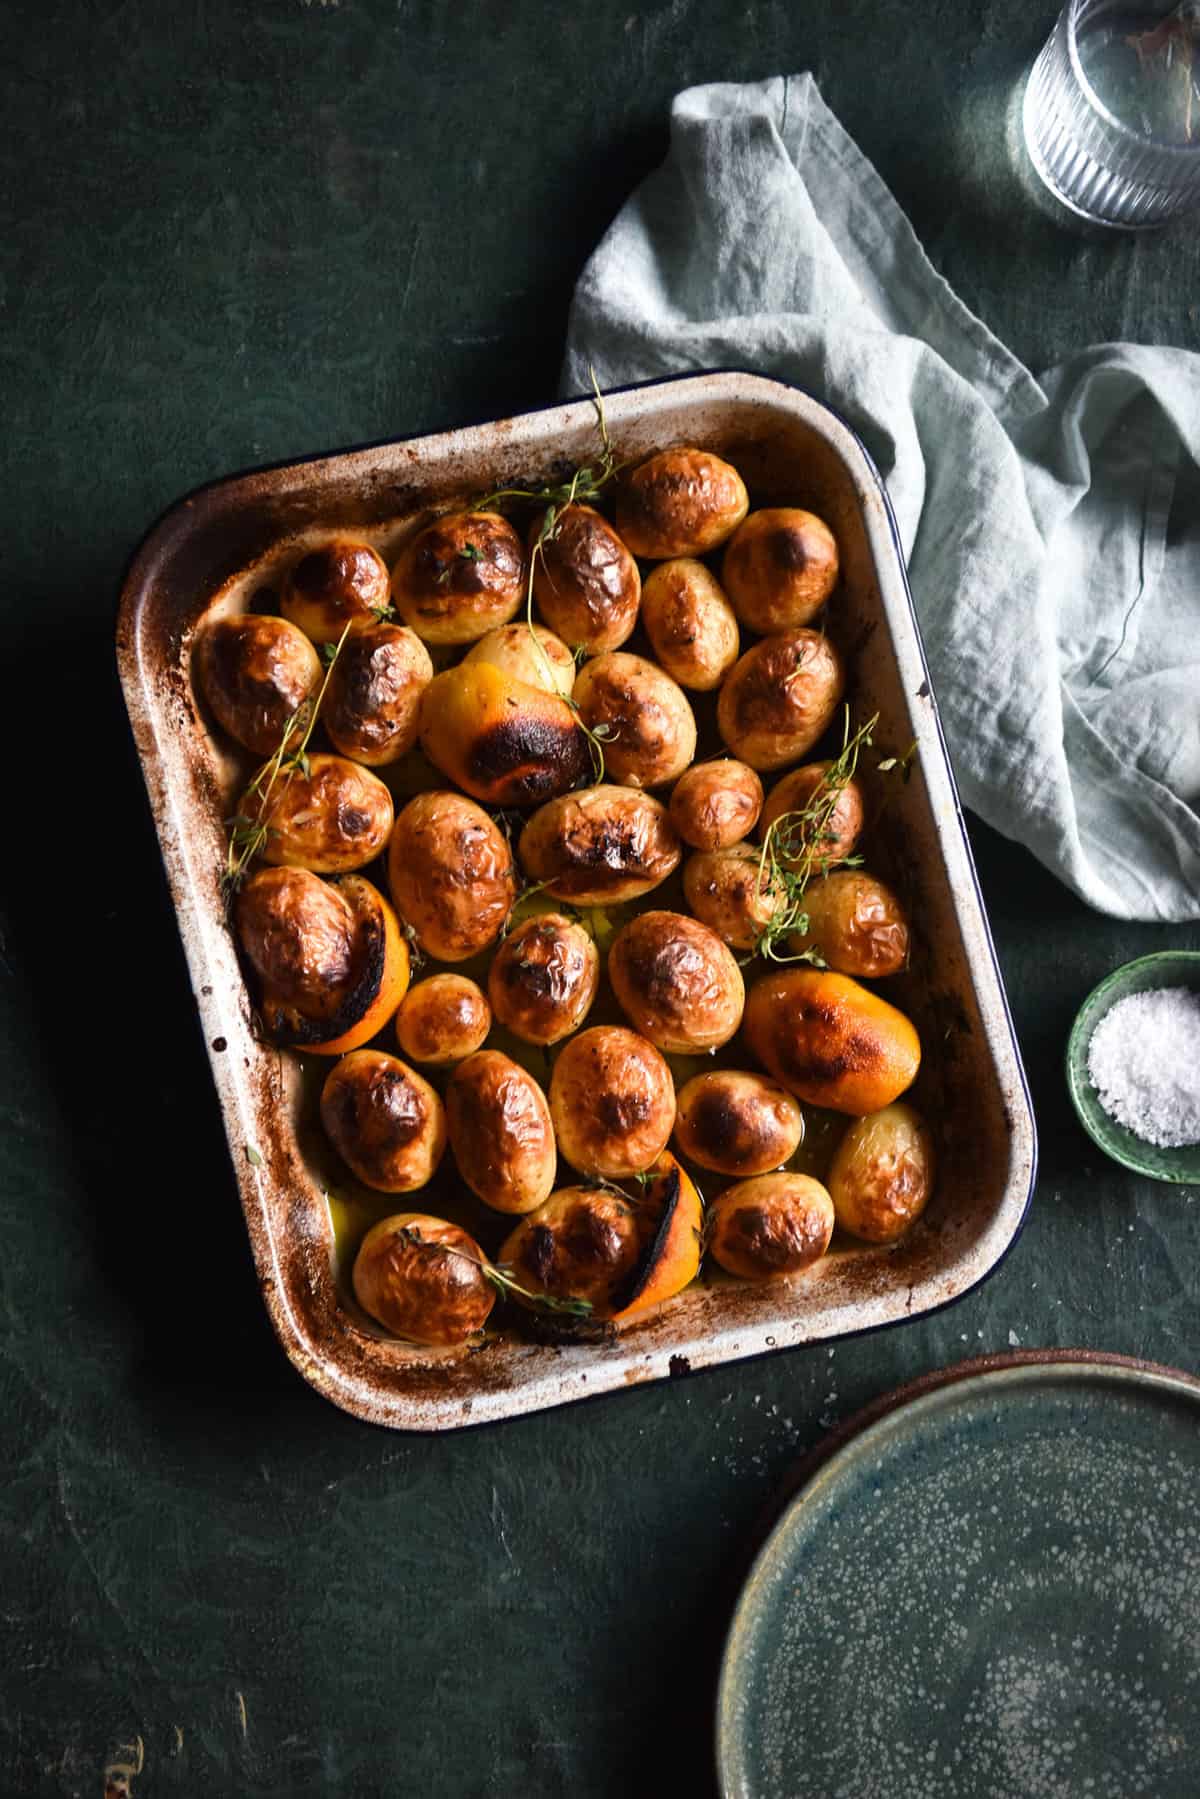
(340, 584)
(830, 1041)
(882, 1174)
(780, 697)
(255, 671)
(443, 1019)
(585, 582)
(676, 982)
(373, 699)
(681, 502)
(641, 715)
(779, 568)
(460, 577)
(505, 742)
(537, 657)
(716, 804)
(804, 789)
(732, 893)
(600, 846)
(422, 1279)
(584, 1243)
(691, 625)
(773, 1225)
(737, 1123)
(334, 819)
(856, 925)
(384, 1120)
(451, 875)
(500, 1132)
(543, 978)
(612, 1100)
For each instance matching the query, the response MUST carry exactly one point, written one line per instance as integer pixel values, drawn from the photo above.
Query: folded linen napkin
(1052, 527)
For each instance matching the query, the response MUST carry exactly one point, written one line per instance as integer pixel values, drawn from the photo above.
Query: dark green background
(237, 233)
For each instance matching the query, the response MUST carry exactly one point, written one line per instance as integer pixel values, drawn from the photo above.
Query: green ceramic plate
(993, 1591)
(1169, 968)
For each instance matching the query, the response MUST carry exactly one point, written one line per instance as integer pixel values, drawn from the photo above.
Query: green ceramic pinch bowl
(1167, 968)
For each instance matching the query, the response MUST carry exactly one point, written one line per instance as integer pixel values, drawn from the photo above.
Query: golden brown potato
(500, 1132)
(716, 804)
(385, 1122)
(505, 742)
(612, 1101)
(676, 982)
(334, 819)
(776, 1224)
(451, 874)
(733, 893)
(373, 699)
(855, 924)
(445, 1018)
(737, 1123)
(690, 624)
(536, 656)
(818, 820)
(584, 1243)
(780, 697)
(460, 577)
(780, 567)
(600, 846)
(882, 1174)
(830, 1041)
(681, 502)
(341, 583)
(255, 673)
(543, 978)
(641, 717)
(422, 1278)
(585, 582)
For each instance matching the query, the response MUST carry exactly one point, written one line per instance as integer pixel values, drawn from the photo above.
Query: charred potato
(342, 585)
(817, 821)
(533, 655)
(640, 716)
(855, 924)
(422, 1278)
(681, 502)
(716, 804)
(776, 1224)
(584, 1244)
(600, 846)
(445, 1018)
(882, 1174)
(333, 819)
(503, 741)
(830, 1041)
(691, 625)
(255, 672)
(733, 893)
(780, 567)
(373, 699)
(737, 1124)
(676, 982)
(780, 697)
(543, 978)
(460, 577)
(585, 583)
(451, 875)
(612, 1101)
(500, 1132)
(385, 1122)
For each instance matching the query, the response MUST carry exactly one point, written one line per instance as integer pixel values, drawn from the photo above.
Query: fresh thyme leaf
(469, 553)
(253, 1157)
(330, 650)
(382, 614)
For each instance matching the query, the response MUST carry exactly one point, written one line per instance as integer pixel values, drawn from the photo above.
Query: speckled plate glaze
(992, 1590)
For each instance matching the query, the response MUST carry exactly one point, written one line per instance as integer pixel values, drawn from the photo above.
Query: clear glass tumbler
(1112, 111)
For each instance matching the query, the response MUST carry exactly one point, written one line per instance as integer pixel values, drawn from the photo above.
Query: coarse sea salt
(1144, 1061)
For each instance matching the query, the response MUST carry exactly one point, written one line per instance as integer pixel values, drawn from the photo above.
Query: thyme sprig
(500, 1277)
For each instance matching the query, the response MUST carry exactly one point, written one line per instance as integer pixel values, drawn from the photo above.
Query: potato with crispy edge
(774, 1225)
(585, 582)
(332, 820)
(882, 1174)
(500, 1132)
(384, 1120)
(691, 625)
(583, 1244)
(676, 982)
(680, 502)
(733, 893)
(255, 672)
(600, 846)
(855, 924)
(373, 699)
(444, 1018)
(612, 1100)
(535, 656)
(422, 1278)
(506, 743)
(779, 568)
(543, 978)
(780, 697)
(451, 874)
(830, 1041)
(340, 584)
(818, 820)
(716, 804)
(640, 716)
(737, 1123)
(460, 577)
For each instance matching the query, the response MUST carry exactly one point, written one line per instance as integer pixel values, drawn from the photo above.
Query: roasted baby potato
(585, 582)
(690, 624)
(780, 697)
(445, 1018)
(333, 819)
(500, 1132)
(734, 893)
(818, 821)
(855, 924)
(373, 699)
(737, 1124)
(780, 567)
(330, 956)
(460, 577)
(600, 846)
(505, 742)
(543, 978)
(451, 874)
(612, 1101)
(640, 716)
(716, 804)
(882, 1174)
(535, 656)
(830, 1041)
(776, 1224)
(340, 584)
(422, 1278)
(384, 1120)
(255, 672)
(680, 503)
(583, 1244)
(676, 982)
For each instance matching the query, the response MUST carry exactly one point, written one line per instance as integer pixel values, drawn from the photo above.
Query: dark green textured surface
(237, 233)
